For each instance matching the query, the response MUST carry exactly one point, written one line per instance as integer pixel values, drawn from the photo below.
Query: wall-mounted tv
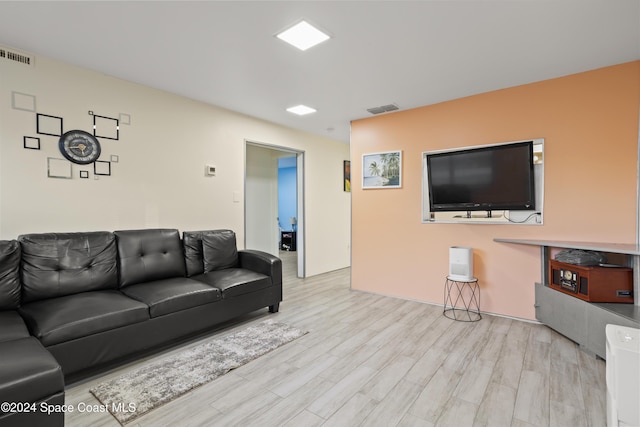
(486, 178)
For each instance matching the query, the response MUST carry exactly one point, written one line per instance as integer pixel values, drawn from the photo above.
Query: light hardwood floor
(370, 360)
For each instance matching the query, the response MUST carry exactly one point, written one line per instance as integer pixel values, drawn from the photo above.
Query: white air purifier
(623, 376)
(460, 263)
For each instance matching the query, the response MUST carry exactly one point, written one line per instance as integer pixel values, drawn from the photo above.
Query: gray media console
(581, 321)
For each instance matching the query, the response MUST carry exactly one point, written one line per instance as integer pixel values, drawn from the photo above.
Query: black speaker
(556, 277)
(584, 285)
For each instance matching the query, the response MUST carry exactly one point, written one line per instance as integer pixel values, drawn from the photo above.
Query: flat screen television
(494, 177)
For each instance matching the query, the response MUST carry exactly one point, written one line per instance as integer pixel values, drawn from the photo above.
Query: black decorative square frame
(48, 125)
(102, 168)
(106, 127)
(30, 142)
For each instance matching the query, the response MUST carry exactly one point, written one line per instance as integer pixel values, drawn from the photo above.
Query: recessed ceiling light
(301, 110)
(303, 35)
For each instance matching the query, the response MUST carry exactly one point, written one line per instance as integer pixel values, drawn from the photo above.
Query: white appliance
(460, 263)
(623, 376)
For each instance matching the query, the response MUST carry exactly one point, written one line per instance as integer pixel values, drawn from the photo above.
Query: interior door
(262, 229)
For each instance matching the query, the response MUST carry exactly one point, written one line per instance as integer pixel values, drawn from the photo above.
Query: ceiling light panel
(303, 35)
(301, 110)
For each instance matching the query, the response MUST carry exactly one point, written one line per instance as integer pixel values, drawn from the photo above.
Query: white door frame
(300, 236)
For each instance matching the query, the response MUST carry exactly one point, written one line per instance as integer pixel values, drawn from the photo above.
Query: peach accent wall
(590, 125)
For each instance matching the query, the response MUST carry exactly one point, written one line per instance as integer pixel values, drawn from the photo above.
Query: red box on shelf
(592, 283)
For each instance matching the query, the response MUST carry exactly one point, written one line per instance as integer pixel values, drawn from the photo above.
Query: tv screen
(497, 177)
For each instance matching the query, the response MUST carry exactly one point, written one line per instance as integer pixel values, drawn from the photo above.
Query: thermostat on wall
(210, 170)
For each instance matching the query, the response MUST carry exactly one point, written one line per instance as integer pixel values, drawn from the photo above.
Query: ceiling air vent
(8, 54)
(383, 109)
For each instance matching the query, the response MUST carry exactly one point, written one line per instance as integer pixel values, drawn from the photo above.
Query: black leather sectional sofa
(72, 304)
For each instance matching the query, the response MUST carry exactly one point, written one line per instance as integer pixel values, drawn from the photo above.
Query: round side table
(462, 299)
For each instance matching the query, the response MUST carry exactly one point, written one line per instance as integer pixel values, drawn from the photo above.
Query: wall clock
(79, 147)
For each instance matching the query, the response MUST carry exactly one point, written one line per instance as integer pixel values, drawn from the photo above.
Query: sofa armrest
(262, 262)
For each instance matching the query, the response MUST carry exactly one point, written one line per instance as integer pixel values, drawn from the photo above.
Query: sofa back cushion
(219, 251)
(58, 264)
(147, 255)
(9, 274)
(194, 250)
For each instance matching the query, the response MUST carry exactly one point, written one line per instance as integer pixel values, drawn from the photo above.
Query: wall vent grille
(8, 54)
(383, 109)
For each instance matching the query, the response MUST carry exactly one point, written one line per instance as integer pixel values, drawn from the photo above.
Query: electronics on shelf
(592, 283)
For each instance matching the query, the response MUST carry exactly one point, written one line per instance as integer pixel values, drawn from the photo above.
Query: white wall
(159, 180)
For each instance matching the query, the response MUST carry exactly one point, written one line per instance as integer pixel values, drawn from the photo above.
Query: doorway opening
(274, 174)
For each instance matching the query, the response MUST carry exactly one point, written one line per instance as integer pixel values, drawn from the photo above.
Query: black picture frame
(31, 142)
(99, 168)
(46, 125)
(84, 174)
(100, 121)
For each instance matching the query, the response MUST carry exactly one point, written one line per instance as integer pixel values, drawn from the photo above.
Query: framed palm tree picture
(382, 170)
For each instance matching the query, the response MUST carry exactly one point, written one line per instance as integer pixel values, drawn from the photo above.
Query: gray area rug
(138, 392)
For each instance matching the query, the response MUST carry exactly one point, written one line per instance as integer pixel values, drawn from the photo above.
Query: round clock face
(567, 275)
(79, 147)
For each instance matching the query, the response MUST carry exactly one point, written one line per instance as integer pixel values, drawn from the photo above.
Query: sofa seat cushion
(74, 316)
(235, 281)
(12, 326)
(171, 295)
(29, 373)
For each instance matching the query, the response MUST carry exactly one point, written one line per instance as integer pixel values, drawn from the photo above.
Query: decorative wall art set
(379, 170)
(77, 147)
